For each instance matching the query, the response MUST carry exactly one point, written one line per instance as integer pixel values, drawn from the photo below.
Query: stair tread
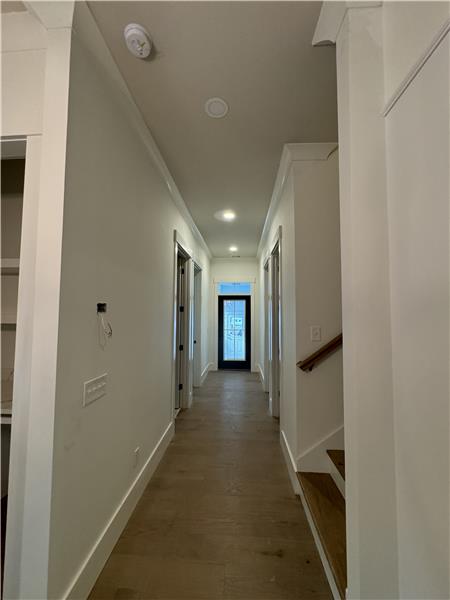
(338, 458)
(327, 507)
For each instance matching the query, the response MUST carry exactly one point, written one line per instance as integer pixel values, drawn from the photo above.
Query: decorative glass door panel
(234, 332)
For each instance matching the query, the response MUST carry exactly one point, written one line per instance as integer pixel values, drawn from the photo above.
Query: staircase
(326, 504)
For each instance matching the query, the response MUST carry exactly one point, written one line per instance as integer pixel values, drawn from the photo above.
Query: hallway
(219, 518)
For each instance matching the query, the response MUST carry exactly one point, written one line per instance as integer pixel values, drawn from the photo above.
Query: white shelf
(10, 266)
(9, 319)
(6, 403)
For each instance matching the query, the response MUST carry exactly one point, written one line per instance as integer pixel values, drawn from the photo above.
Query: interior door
(181, 331)
(274, 332)
(189, 336)
(234, 332)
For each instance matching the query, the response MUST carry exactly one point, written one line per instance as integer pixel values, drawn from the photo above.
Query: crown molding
(330, 20)
(292, 153)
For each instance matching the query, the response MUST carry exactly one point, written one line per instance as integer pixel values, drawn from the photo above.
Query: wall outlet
(94, 389)
(316, 333)
(136, 455)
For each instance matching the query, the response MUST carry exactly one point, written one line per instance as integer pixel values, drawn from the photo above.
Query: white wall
(282, 216)
(104, 232)
(418, 160)
(393, 66)
(233, 270)
(119, 221)
(305, 204)
(318, 293)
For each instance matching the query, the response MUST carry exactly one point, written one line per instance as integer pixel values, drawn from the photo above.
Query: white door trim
(187, 377)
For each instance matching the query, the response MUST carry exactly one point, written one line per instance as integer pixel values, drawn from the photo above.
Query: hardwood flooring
(219, 519)
(327, 507)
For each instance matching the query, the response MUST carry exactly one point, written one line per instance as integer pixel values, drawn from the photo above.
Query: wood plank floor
(327, 507)
(219, 519)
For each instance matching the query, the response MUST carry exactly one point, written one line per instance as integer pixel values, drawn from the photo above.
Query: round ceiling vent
(137, 40)
(216, 108)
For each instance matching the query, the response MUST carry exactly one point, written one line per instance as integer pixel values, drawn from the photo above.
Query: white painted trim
(180, 241)
(329, 23)
(416, 68)
(235, 280)
(261, 373)
(337, 477)
(205, 372)
(88, 572)
(292, 153)
(215, 312)
(315, 458)
(321, 551)
(23, 369)
(332, 15)
(319, 442)
(290, 463)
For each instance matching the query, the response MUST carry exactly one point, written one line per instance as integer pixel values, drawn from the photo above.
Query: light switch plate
(316, 333)
(94, 389)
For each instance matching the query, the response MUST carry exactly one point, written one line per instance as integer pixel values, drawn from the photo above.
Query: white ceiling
(258, 57)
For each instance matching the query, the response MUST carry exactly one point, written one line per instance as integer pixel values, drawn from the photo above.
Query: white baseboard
(87, 574)
(315, 459)
(337, 478)
(290, 463)
(205, 372)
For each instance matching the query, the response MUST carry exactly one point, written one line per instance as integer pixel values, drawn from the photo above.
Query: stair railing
(314, 359)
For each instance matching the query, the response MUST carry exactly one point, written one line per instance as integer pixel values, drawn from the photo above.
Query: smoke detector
(137, 40)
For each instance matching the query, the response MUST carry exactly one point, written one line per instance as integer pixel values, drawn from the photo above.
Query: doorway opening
(274, 329)
(197, 325)
(183, 326)
(234, 351)
(12, 207)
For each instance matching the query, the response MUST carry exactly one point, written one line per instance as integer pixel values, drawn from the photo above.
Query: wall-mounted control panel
(94, 389)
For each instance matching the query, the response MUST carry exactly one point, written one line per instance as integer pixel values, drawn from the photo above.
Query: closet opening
(12, 190)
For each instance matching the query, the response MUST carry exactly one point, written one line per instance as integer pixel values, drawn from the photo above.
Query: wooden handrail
(309, 363)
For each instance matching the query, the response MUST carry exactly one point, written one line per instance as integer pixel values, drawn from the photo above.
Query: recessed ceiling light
(225, 215)
(216, 108)
(233, 248)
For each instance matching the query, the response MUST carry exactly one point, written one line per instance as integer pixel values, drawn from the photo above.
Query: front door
(234, 332)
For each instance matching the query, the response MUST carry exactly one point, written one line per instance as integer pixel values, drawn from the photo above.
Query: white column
(367, 357)
(368, 395)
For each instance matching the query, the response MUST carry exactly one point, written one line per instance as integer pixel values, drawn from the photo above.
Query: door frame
(274, 322)
(185, 377)
(214, 307)
(248, 333)
(197, 375)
